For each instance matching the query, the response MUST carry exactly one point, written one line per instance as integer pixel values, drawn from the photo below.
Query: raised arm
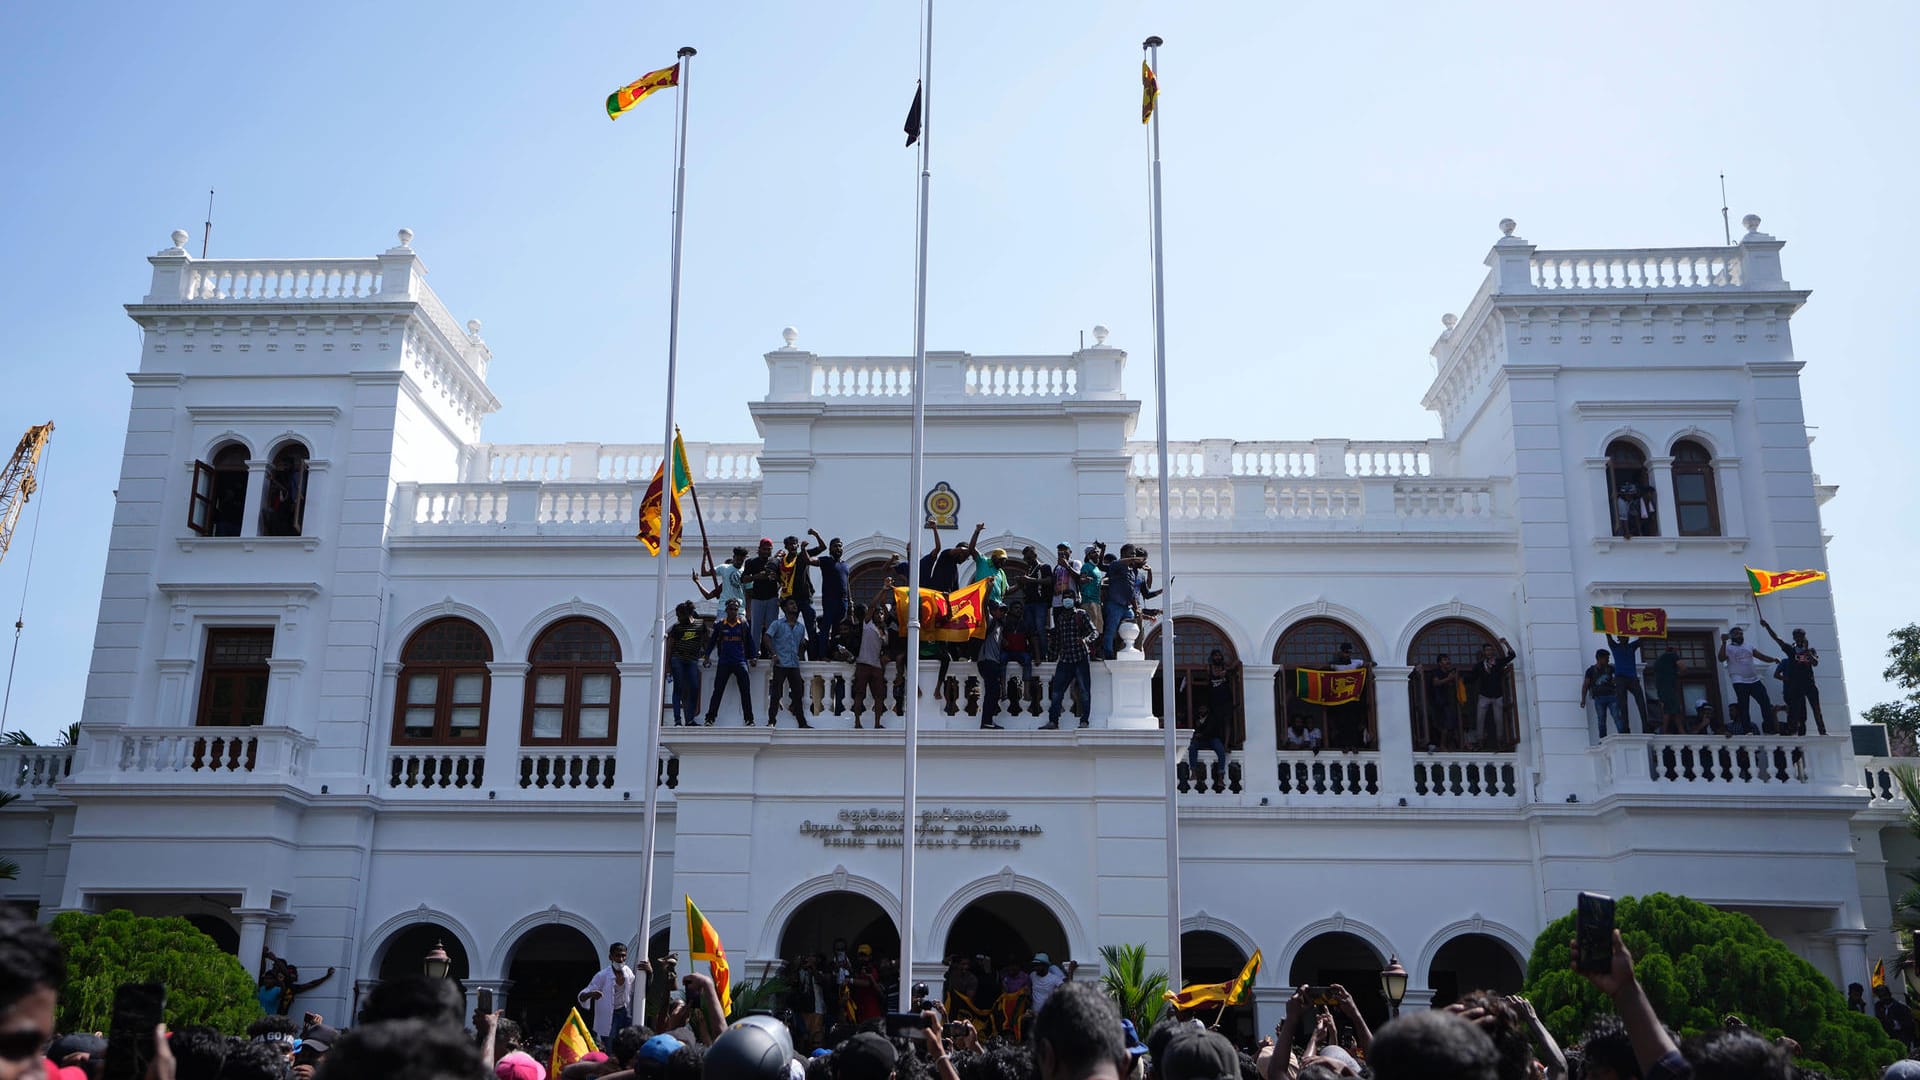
(1362, 1034)
(973, 542)
(816, 552)
(1554, 1060)
(1784, 647)
(706, 593)
(1650, 1040)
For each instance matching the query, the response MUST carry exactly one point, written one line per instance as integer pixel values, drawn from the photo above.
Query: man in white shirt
(1745, 676)
(1046, 978)
(610, 994)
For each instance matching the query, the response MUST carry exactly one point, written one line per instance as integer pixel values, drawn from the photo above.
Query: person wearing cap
(1047, 977)
(866, 1056)
(519, 1065)
(865, 986)
(733, 637)
(1065, 593)
(610, 994)
(1092, 582)
(991, 568)
(315, 1041)
(1199, 1055)
(761, 576)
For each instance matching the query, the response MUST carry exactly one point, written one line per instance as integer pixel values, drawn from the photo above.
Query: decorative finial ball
(473, 327)
(179, 238)
(1449, 319)
(406, 237)
(789, 335)
(1752, 222)
(1099, 335)
(1507, 225)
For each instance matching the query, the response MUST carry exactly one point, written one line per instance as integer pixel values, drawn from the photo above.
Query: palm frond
(16, 737)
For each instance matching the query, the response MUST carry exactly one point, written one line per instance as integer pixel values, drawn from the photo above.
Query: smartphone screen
(1593, 933)
(137, 1010)
(911, 1025)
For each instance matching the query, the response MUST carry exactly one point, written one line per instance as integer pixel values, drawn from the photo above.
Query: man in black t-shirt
(833, 587)
(761, 576)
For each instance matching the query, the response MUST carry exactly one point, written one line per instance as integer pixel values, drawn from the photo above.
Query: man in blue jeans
(1124, 592)
(1210, 734)
(685, 639)
(734, 639)
(1598, 685)
(1072, 633)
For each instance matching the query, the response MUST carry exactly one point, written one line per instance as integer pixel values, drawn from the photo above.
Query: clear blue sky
(1334, 174)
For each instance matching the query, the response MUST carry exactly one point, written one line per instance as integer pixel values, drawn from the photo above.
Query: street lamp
(1393, 984)
(437, 963)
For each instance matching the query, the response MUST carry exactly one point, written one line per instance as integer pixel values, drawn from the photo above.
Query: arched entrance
(1315, 644)
(838, 916)
(407, 948)
(1207, 957)
(1194, 640)
(1007, 929)
(217, 928)
(551, 964)
(1473, 962)
(1346, 959)
(1439, 724)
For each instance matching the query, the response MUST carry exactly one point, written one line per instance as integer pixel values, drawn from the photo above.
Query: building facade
(363, 681)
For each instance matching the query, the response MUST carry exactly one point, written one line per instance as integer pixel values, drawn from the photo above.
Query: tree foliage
(205, 985)
(1698, 964)
(1903, 670)
(1139, 994)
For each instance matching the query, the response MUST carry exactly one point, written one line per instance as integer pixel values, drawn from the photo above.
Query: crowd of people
(1613, 683)
(413, 1028)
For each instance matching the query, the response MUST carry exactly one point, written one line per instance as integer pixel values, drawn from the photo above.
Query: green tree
(1903, 670)
(1697, 964)
(204, 984)
(1139, 994)
(769, 993)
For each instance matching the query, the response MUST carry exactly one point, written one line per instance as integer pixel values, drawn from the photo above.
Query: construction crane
(18, 482)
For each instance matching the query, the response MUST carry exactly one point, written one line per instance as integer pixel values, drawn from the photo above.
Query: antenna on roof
(1727, 223)
(207, 236)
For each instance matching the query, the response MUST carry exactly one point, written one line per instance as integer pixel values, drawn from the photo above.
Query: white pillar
(1393, 715)
(256, 493)
(507, 701)
(1417, 1000)
(1661, 470)
(1269, 1007)
(253, 937)
(1258, 774)
(1850, 946)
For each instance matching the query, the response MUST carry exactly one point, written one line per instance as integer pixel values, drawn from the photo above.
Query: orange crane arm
(17, 483)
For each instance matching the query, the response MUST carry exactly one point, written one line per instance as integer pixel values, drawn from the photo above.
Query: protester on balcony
(1072, 635)
(844, 642)
(686, 641)
(1744, 673)
(869, 665)
(834, 573)
(943, 572)
(761, 577)
(786, 642)
(1797, 681)
(1487, 683)
(795, 567)
(1633, 509)
(1210, 733)
(993, 667)
(1302, 734)
(733, 638)
(1705, 719)
(1626, 679)
(1017, 646)
(1599, 686)
(1036, 582)
(991, 568)
(1125, 590)
(1667, 702)
(1092, 585)
(726, 577)
(1444, 692)
(1347, 724)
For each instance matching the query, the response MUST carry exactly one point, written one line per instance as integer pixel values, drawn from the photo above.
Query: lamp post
(1393, 984)
(437, 963)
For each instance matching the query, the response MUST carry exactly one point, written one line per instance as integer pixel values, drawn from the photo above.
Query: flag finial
(1153, 42)
(685, 51)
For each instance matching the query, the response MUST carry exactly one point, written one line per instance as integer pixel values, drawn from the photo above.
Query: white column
(283, 676)
(507, 701)
(1850, 946)
(1733, 503)
(253, 937)
(256, 493)
(1417, 1000)
(1394, 718)
(637, 709)
(277, 926)
(1269, 1007)
(1258, 773)
(1661, 469)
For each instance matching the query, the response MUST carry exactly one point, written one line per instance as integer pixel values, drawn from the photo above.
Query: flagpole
(657, 687)
(916, 472)
(1167, 718)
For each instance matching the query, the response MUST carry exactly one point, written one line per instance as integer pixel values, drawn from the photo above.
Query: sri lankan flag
(1149, 92)
(1763, 582)
(1329, 687)
(954, 616)
(649, 533)
(704, 944)
(574, 1042)
(1630, 621)
(1226, 993)
(1879, 976)
(636, 91)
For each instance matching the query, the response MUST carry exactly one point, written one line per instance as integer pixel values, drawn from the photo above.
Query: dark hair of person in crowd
(911, 1065)
(273, 1025)
(1507, 1028)
(32, 969)
(686, 1063)
(404, 1050)
(1077, 1030)
(198, 1052)
(1607, 1051)
(1735, 1055)
(1249, 1069)
(507, 1037)
(1319, 1070)
(626, 1043)
(255, 1061)
(415, 997)
(1432, 1046)
(1004, 1061)
(1161, 1033)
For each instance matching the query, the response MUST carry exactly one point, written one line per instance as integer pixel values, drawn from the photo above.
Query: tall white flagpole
(655, 713)
(916, 471)
(1152, 46)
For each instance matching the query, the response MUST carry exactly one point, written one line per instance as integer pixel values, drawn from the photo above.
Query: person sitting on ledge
(1302, 734)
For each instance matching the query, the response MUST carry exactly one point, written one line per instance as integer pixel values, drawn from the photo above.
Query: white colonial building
(364, 681)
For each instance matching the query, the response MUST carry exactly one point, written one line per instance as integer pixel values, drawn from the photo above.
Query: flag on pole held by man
(1630, 621)
(1224, 993)
(649, 533)
(638, 90)
(574, 1042)
(704, 944)
(954, 616)
(1329, 687)
(1149, 92)
(1763, 582)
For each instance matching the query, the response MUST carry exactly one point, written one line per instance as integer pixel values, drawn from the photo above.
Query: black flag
(913, 118)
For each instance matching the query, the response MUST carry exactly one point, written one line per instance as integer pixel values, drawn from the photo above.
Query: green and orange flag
(1149, 92)
(1224, 993)
(574, 1042)
(954, 616)
(704, 944)
(637, 91)
(1329, 687)
(649, 533)
(1763, 582)
(1630, 621)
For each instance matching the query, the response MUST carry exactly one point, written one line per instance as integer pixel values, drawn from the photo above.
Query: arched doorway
(217, 928)
(1348, 960)
(1315, 644)
(1194, 640)
(1473, 962)
(1007, 929)
(407, 948)
(840, 916)
(550, 965)
(1207, 957)
(1460, 642)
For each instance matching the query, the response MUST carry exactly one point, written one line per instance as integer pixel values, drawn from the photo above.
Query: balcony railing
(197, 754)
(34, 770)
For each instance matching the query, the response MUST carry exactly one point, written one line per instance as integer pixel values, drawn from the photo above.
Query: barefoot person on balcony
(1747, 684)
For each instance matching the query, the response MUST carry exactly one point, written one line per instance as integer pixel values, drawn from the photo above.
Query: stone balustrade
(1637, 270)
(1392, 503)
(528, 507)
(1661, 764)
(951, 377)
(1321, 458)
(142, 754)
(33, 770)
(501, 462)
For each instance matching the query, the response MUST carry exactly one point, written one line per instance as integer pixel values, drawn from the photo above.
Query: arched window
(1443, 722)
(1315, 644)
(444, 685)
(1630, 502)
(573, 685)
(1194, 641)
(283, 504)
(219, 498)
(864, 581)
(1694, 497)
